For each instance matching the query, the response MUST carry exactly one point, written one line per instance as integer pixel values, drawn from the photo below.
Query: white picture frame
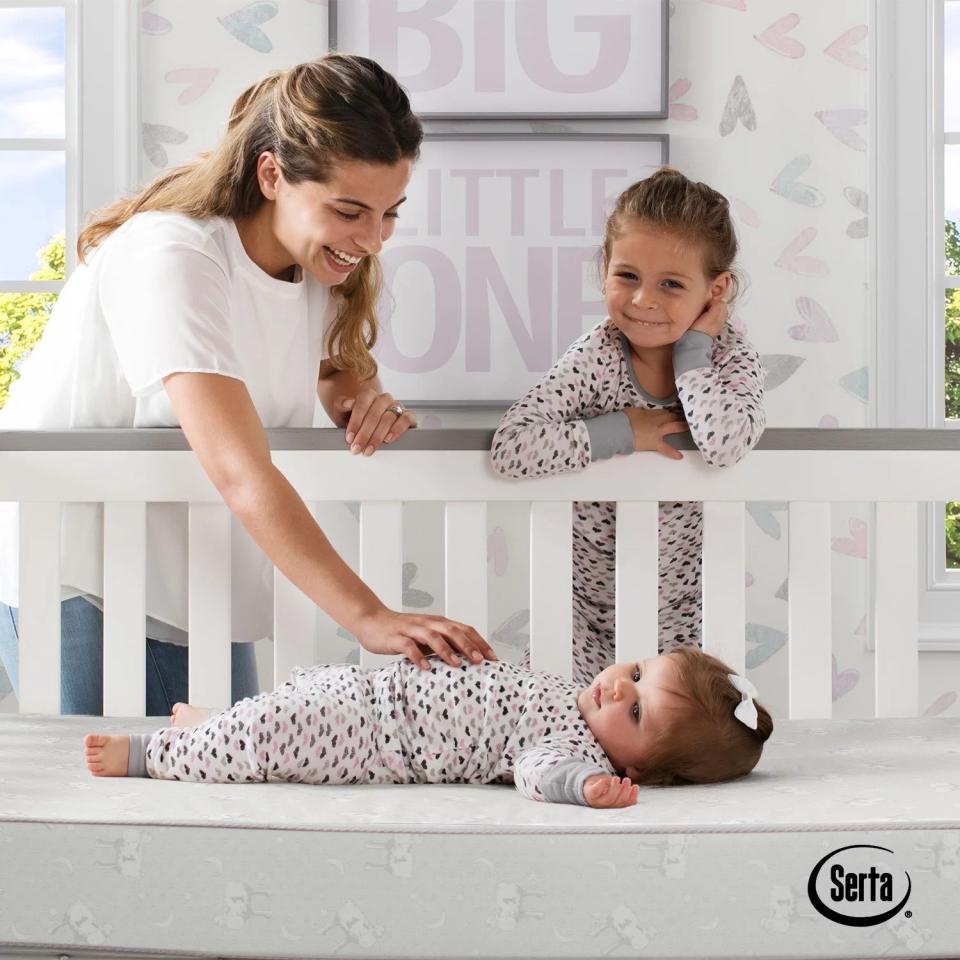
(501, 59)
(493, 268)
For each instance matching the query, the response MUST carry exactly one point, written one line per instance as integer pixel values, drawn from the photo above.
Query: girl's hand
(651, 426)
(714, 317)
(373, 420)
(416, 636)
(603, 791)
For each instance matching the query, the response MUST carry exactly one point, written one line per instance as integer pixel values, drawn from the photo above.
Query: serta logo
(862, 890)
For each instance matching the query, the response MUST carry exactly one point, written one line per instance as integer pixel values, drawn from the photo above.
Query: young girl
(664, 361)
(680, 718)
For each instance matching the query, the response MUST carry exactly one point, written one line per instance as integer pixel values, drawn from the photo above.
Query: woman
(224, 298)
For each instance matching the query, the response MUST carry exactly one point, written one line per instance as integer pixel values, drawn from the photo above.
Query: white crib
(125, 868)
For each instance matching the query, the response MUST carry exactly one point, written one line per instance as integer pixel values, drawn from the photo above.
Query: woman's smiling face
(328, 228)
(627, 706)
(655, 285)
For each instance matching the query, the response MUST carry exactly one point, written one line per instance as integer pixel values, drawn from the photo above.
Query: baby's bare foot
(184, 715)
(106, 756)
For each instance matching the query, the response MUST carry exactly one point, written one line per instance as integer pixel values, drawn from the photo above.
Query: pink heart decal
(152, 23)
(680, 111)
(841, 48)
(792, 261)
(828, 422)
(744, 213)
(843, 682)
(733, 4)
(818, 328)
(856, 544)
(198, 80)
(775, 37)
(943, 702)
(841, 123)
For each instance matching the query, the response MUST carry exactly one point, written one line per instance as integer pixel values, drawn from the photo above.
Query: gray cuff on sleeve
(610, 433)
(563, 782)
(694, 349)
(136, 762)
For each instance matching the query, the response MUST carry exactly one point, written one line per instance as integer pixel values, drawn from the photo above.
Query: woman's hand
(602, 790)
(714, 317)
(374, 420)
(651, 426)
(418, 635)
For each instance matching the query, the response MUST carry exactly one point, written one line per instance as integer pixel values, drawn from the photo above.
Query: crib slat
(897, 611)
(810, 644)
(124, 603)
(724, 575)
(381, 560)
(39, 608)
(294, 628)
(637, 580)
(551, 598)
(208, 607)
(465, 562)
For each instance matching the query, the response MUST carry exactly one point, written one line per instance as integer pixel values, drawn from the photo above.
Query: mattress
(117, 866)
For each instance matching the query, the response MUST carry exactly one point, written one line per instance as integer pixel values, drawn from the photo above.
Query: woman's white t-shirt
(162, 294)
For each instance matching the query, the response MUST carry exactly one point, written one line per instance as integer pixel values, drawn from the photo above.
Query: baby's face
(627, 705)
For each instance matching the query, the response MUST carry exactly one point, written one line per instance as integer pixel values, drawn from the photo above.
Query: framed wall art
(515, 58)
(493, 268)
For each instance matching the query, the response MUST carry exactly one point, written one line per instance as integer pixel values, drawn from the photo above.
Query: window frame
(908, 272)
(65, 144)
(100, 146)
(940, 577)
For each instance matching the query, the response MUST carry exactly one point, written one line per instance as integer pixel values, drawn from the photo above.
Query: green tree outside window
(23, 316)
(951, 375)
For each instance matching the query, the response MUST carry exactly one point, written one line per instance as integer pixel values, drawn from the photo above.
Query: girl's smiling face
(627, 706)
(655, 285)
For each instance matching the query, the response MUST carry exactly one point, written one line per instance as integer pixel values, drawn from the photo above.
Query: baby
(681, 717)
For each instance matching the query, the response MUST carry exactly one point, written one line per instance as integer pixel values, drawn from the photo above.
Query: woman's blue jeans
(81, 663)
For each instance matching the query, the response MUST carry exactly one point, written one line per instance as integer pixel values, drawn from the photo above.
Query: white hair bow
(746, 710)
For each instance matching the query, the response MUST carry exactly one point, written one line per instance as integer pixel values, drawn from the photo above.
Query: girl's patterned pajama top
(494, 722)
(574, 416)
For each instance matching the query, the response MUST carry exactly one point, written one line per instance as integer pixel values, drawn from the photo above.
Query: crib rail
(125, 470)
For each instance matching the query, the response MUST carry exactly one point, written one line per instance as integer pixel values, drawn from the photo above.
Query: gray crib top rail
(467, 438)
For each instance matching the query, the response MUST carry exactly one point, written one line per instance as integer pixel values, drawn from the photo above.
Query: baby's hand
(601, 790)
(650, 427)
(713, 318)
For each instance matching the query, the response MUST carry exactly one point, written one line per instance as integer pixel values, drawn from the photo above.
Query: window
(37, 170)
(915, 45)
(943, 527)
(69, 144)
(950, 166)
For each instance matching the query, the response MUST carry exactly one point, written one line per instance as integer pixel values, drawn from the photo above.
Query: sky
(31, 105)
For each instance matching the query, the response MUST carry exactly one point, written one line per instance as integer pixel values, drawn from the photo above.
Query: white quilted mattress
(94, 866)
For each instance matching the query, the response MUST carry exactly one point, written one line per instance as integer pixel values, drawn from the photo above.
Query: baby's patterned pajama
(574, 416)
(493, 722)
